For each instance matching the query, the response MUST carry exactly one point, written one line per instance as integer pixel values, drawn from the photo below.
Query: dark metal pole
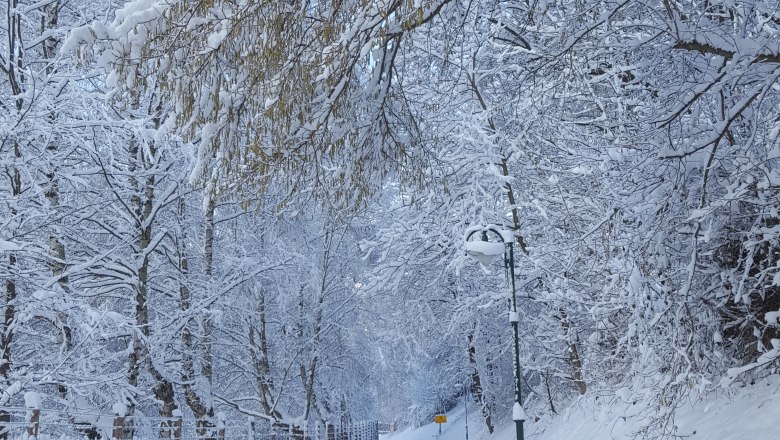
(466, 407)
(514, 318)
(518, 415)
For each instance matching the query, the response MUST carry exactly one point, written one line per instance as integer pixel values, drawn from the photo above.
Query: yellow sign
(440, 418)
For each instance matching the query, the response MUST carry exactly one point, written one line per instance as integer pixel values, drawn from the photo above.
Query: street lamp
(486, 251)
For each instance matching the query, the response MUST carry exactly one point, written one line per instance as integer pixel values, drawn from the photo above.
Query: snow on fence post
(252, 429)
(220, 426)
(120, 410)
(177, 423)
(32, 401)
(168, 424)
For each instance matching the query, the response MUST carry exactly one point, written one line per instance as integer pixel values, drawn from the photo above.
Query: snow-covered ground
(749, 413)
(454, 429)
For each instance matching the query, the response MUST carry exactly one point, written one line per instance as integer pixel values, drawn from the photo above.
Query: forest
(254, 213)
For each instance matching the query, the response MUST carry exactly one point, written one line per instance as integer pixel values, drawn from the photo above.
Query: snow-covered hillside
(748, 413)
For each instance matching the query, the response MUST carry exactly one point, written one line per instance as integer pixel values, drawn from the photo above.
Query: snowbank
(749, 413)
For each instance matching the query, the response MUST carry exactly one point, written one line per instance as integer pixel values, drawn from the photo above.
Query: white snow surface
(484, 251)
(9, 246)
(32, 400)
(518, 413)
(119, 409)
(454, 429)
(746, 413)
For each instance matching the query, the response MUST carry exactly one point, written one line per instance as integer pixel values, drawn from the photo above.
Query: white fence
(31, 424)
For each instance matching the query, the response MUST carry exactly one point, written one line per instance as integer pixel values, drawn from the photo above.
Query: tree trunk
(476, 385)
(194, 401)
(137, 355)
(208, 269)
(546, 377)
(207, 368)
(309, 380)
(6, 339)
(56, 247)
(7, 331)
(164, 393)
(258, 352)
(142, 205)
(56, 263)
(574, 354)
(14, 62)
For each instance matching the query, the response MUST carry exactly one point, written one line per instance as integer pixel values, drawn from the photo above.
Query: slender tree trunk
(258, 351)
(14, 64)
(208, 269)
(49, 23)
(476, 385)
(546, 377)
(142, 204)
(574, 354)
(6, 339)
(9, 313)
(196, 404)
(207, 368)
(56, 247)
(309, 380)
(164, 392)
(136, 357)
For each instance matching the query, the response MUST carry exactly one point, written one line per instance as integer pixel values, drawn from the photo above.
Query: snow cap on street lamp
(480, 248)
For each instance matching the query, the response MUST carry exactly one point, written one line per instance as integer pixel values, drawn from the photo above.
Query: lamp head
(484, 251)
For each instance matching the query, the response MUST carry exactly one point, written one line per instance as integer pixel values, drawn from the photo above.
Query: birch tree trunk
(574, 354)
(7, 331)
(258, 351)
(56, 263)
(207, 369)
(476, 384)
(142, 204)
(199, 405)
(57, 255)
(143, 231)
(185, 301)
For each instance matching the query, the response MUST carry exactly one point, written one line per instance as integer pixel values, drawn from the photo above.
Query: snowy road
(454, 429)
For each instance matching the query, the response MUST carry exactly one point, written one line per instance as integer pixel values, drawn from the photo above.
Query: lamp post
(486, 251)
(466, 408)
